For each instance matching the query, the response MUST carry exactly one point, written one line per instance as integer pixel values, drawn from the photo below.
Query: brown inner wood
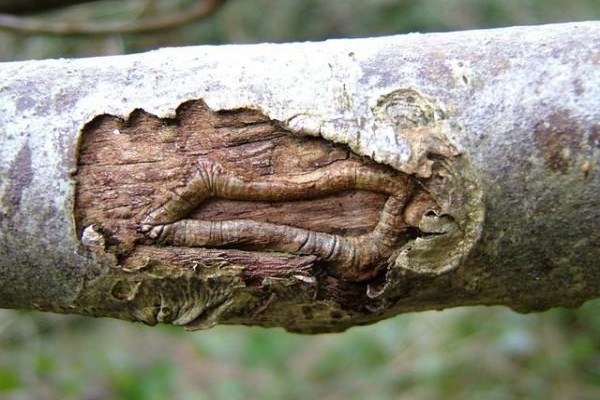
(127, 168)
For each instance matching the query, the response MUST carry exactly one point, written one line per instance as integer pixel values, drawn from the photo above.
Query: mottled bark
(312, 186)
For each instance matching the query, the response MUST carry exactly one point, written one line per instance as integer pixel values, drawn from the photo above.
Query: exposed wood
(129, 168)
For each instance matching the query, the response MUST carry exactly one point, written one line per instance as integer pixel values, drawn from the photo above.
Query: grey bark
(519, 104)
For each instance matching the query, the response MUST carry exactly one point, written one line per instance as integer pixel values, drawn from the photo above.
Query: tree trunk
(313, 186)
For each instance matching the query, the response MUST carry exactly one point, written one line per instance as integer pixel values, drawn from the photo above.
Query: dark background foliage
(467, 353)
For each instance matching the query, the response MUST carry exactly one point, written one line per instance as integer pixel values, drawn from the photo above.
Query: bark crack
(353, 258)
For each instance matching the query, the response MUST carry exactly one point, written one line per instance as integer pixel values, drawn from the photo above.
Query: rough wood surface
(127, 168)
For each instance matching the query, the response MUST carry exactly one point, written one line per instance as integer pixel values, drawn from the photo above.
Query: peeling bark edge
(526, 99)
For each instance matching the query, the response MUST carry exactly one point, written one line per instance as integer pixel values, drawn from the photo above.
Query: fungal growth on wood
(229, 217)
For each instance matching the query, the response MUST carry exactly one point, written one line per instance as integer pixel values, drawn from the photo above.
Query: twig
(36, 26)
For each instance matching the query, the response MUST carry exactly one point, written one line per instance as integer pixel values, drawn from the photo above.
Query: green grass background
(465, 353)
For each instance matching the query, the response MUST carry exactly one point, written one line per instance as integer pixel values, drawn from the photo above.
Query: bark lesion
(301, 225)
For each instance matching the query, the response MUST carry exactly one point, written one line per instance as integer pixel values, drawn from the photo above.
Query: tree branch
(22, 7)
(201, 10)
(312, 186)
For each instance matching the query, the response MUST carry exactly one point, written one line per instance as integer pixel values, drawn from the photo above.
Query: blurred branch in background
(202, 9)
(22, 7)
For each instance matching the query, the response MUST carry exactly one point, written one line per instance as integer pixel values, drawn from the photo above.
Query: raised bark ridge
(233, 193)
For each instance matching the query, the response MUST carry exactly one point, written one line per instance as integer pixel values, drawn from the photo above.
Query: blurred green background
(467, 353)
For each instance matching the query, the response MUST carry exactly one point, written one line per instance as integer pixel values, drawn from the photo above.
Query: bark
(313, 186)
